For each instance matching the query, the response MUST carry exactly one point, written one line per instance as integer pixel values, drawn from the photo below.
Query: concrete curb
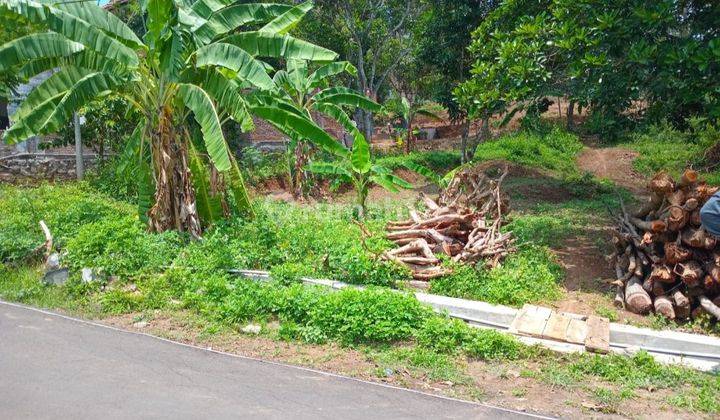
(672, 347)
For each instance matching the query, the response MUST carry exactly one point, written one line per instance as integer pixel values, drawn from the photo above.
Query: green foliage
(608, 55)
(453, 335)
(120, 247)
(64, 209)
(664, 148)
(440, 161)
(555, 151)
(108, 123)
(443, 35)
(178, 73)
(367, 316)
(359, 169)
(258, 167)
(530, 275)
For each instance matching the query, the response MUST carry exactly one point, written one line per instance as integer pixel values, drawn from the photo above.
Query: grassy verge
(400, 340)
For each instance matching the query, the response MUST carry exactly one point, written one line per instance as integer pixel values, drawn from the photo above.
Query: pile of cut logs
(463, 224)
(664, 259)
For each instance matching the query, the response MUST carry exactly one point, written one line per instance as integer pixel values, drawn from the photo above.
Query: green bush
(453, 335)
(491, 344)
(64, 208)
(442, 334)
(367, 316)
(121, 247)
(530, 275)
(555, 151)
(664, 148)
(439, 160)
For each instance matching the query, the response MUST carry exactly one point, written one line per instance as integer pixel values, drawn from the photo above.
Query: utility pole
(79, 164)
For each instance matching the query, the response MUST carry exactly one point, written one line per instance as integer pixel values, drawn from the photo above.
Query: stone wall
(29, 167)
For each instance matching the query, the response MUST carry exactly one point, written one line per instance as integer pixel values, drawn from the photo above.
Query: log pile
(463, 224)
(664, 259)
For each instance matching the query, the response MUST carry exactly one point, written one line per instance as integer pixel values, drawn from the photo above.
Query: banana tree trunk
(301, 159)
(175, 206)
(408, 143)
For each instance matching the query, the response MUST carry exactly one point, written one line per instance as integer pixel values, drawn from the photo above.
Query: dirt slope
(615, 164)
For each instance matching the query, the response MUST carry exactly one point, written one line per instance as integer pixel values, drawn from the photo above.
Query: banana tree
(193, 61)
(358, 169)
(311, 93)
(401, 107)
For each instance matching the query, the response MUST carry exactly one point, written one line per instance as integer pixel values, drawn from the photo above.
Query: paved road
(56, 367)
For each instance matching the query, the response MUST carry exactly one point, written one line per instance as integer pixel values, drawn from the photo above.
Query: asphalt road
(60, 368)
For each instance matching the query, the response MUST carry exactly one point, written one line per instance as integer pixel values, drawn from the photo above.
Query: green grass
(554, 151)
(663, 148)
(440, 161)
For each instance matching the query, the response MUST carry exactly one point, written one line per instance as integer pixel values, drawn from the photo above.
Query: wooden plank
(598, 337)
(556, 327)
(576, 332)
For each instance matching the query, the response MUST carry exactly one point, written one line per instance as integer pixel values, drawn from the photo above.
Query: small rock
(251, 329)
(87, 275)
(59, 276)
(140, 324)
(53, 262)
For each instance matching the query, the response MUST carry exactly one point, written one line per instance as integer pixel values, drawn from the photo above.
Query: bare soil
(615, 164)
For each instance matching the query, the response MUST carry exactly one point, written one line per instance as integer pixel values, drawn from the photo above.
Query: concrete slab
(556, 327)
(577, 331)
(598, 336)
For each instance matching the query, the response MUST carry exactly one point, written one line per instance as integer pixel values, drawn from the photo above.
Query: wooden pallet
(536, 321)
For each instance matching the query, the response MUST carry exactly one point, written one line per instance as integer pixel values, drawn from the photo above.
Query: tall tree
(378, 39)
(192, 61)
(628, 60)
(443, 34)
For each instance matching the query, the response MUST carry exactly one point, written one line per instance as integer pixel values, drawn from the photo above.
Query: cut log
(682, 305)
(688, 178)
(662, 183)
(636, 298)
(664, 307)
(652, 226)
(676, 253)
(661, 273)
(694, 237)
(690, 272)
(709, 306)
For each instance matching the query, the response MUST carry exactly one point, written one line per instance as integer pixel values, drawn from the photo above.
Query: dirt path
(615, 164)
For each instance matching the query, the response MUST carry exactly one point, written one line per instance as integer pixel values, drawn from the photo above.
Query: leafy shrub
(367, 316)
(120, 247)
(554, 151)
(105, 179)
(439, 160)
(530, 275)
(453, 335)
(65, 209)
(289, 272)
(662, 147)
(491, 344)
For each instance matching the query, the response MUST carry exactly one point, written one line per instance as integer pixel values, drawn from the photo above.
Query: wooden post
(79, 164)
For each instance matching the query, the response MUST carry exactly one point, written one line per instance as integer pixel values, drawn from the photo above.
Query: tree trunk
(465, 155)
(409, 137)
(485, 128)
(175, 206)
(368, 125)
(571, 116)
(299, 178)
